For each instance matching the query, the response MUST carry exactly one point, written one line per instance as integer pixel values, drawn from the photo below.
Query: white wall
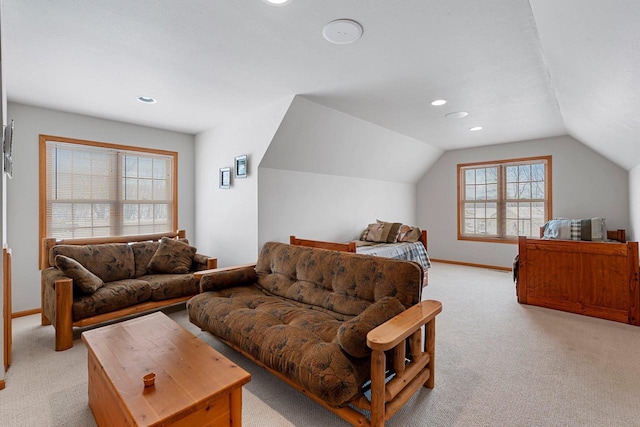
(22, 190)
(634, 203)
(3, 206)
(227, 220)
(585, 185)
(327, 175)
(327, 207)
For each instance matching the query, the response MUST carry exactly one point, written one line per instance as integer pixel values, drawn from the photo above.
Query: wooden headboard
(343, 247)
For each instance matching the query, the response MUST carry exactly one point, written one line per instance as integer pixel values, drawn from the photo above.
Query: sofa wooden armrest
(388, 397)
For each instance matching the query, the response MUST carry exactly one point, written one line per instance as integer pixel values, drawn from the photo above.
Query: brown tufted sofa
(90, 281)
(327, 323)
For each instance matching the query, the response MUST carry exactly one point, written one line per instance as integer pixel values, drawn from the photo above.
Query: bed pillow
(84, 280)
(381, 232)
(393, 231)
(172, 256)
(410, 234)
(591, 229)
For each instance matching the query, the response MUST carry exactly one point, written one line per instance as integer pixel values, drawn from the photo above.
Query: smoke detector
(342, 31)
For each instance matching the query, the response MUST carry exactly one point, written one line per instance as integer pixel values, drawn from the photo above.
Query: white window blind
(97, 191)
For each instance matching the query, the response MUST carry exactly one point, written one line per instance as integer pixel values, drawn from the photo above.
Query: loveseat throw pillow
(84, 280)
(172, 256)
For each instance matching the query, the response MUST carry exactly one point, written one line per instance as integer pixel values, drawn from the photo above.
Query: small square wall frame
(225, 178)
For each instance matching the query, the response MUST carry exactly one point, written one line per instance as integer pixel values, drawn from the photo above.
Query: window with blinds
(96, 189)
(501, 200)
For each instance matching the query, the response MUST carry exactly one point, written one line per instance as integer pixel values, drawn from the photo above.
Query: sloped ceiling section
(593, 54)
(317, 139)
(210, 61)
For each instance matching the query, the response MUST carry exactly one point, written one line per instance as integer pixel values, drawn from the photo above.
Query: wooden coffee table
(195, 385)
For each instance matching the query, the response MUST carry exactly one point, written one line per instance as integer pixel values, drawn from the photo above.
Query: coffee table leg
(236, 407)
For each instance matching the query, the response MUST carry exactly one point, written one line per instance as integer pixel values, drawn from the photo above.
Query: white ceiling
(522, 69)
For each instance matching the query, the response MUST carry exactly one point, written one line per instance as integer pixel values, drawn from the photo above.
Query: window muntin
(96, 190)
(501, 200)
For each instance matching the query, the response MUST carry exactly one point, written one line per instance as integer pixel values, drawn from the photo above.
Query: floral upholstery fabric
(112, 296)
(229, 278)
(292, 339)
(109, 261)
(85, 281)
(172, 256)
(101, 260)
(142, 254)
(290, 316)
(352, 334)
(199, 262)
(329, 279)
(167, 286)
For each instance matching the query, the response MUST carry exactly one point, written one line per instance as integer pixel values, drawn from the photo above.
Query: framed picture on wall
(225, 178)
(241, 166)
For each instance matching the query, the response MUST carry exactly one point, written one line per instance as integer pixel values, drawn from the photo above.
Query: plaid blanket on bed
(414, 251)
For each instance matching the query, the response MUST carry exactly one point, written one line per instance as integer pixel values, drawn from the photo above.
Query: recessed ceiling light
(147, 100)
(438, 102)
(277, 2)
(342, 31)
(475, 128)
(457, 115)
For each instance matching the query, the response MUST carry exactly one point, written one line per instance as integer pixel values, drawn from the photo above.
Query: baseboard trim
(26, 313)
(470, 264)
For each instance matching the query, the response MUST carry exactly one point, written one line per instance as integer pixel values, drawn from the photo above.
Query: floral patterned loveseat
(328, 323)
(90, 281)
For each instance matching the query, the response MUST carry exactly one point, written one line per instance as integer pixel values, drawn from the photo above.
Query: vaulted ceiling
(520, 69)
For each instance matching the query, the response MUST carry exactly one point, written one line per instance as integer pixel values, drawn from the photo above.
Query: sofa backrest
(342, 282)
(142, 254)
(108, 261)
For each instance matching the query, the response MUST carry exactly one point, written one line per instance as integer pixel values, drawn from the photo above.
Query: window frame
(502, 200)
(43, 139)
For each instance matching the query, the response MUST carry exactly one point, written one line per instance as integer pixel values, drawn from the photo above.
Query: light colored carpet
(499, 363)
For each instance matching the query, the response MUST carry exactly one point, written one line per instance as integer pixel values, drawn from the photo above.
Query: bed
(411, 251)
(593, 278)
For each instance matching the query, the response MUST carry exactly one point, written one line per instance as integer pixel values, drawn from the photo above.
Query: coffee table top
(189, 373)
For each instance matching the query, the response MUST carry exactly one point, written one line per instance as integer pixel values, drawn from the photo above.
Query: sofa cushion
(172, 256)
(381, 232)
(344, 283)
(142, 254)
(144, 251)
(394, 229)
(112, 296)
(227, 278)
(289, 337)
(108, 261)
(352, 334)
(166, 286)
(83, 280)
